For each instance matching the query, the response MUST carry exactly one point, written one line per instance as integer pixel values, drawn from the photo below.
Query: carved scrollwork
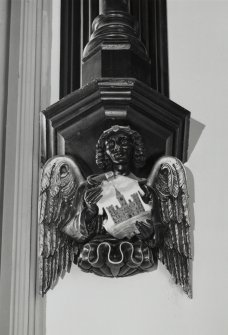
(114, 258)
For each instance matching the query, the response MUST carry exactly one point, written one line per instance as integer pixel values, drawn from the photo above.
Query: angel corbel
(114, 224)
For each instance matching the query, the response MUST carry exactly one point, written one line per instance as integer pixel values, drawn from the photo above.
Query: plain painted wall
(150, 303)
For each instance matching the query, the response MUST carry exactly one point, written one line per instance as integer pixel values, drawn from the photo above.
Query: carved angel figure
(114, 224)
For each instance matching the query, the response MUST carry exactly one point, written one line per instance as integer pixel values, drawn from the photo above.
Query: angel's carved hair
(103, 160)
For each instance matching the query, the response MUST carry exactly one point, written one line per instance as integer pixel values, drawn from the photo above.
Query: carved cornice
(81, 116)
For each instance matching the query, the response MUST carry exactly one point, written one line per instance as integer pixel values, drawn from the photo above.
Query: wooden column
(114, 5)
(76, 26)
(115, 49)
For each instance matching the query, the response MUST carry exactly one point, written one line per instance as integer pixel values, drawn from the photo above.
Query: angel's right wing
(168, 179)
(60, 180)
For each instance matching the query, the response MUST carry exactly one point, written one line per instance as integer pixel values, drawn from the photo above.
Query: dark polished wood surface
(76, 23)
(75, 122)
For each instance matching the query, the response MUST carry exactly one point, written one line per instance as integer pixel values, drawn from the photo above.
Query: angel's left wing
(60, 182)
(168, 179)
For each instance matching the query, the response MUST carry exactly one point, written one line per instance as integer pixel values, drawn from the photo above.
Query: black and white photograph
(113, 138)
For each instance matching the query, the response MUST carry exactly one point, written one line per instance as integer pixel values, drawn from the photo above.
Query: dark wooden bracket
(118, 90)
(75, 123)
(117, 73)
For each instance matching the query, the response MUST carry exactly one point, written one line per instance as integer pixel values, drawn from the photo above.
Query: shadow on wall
(196, 129)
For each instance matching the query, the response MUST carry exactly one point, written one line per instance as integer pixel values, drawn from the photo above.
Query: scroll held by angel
(114, 224)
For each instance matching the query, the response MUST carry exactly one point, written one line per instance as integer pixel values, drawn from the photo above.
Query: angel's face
(119, 148)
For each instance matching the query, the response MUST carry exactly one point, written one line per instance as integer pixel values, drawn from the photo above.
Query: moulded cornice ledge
(121, 100)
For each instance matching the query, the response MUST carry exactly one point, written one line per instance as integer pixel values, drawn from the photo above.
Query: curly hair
(103, 160)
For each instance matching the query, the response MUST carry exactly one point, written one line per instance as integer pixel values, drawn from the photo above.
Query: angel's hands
(146, 229)
(94, 181)
(147, 197)
(154, 231)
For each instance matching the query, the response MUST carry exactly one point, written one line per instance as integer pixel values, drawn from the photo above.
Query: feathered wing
(168, 179)
(60, 180)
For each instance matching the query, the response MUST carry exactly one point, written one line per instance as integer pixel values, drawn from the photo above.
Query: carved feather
(168, 178)
(60, 180)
